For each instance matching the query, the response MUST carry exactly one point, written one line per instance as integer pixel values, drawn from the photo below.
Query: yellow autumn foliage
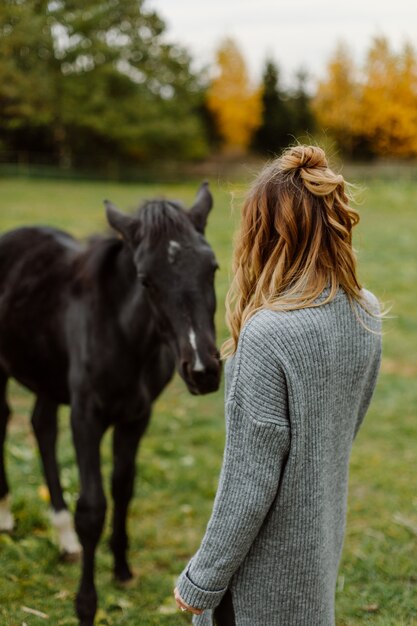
(377, 106)
(336, 105)
(234, 103)
(389, 100)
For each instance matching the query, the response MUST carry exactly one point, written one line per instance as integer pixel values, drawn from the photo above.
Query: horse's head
(175, 267)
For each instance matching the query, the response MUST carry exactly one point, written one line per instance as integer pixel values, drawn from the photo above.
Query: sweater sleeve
(371, 375)
(257, 444)
(369, 389)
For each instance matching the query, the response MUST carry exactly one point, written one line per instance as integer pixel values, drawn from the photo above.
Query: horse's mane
(160, 218)
(157, 218)
(99, 253)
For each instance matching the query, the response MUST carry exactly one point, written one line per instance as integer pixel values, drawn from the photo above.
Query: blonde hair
(295, 239)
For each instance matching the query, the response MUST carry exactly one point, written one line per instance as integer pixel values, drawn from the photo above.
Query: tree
(26, 47)
(302, 114)
(372, 112)
(389, 100)
(96, 79)
(234, 103)
(337, 100)
(277, 124)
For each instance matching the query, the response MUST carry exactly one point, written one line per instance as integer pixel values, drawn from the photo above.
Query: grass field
(181, 453)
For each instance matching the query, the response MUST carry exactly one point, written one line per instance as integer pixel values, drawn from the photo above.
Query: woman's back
(311, 371)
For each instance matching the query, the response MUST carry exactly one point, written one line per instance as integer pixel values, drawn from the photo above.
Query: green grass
(181, 453)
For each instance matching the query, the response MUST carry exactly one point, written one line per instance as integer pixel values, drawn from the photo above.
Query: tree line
(99, 83)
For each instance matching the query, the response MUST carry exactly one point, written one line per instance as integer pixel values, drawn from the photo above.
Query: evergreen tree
(277, 119)
(303, 116)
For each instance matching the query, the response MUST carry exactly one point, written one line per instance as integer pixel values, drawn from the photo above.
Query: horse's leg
(44, 423)
(6, 517)
(87, 432)
(126, 438)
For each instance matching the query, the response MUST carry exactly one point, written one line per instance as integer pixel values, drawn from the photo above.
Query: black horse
(101, 327)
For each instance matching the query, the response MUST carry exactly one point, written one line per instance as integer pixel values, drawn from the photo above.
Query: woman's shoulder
(269, 329)
(265, 339)
(269, 322)
(257, 337)
(261, 323)
(370, 302)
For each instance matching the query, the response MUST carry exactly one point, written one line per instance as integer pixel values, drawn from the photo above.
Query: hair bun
(303, 157)
(311, 164)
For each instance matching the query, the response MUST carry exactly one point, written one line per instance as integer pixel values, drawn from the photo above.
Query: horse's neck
(136, 317)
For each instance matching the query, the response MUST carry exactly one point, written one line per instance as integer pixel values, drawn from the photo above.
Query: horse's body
(36, 284)
(78, 327)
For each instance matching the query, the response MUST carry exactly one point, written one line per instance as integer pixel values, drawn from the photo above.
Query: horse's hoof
(6, 516)
(69, 545)
(86, 607)
(125, 578)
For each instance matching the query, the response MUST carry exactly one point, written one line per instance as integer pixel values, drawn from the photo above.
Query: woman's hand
(183, 605)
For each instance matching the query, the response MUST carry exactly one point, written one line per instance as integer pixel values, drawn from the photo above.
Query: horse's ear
(125, 225)
(201, 208)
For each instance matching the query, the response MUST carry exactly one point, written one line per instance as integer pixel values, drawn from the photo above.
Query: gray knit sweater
(297, 390)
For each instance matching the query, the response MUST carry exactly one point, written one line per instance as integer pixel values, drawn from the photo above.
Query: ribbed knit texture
(297, 390)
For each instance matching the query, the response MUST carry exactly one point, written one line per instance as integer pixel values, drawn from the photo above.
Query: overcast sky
(294, 33)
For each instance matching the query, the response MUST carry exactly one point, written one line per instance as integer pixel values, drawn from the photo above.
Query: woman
(306, 345)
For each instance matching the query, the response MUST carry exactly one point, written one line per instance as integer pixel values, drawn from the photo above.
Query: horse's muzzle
(202, 381)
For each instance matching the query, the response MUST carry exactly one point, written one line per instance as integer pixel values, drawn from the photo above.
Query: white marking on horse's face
(198, 365)
(173, 247)
(67, 537)
(6, 516)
